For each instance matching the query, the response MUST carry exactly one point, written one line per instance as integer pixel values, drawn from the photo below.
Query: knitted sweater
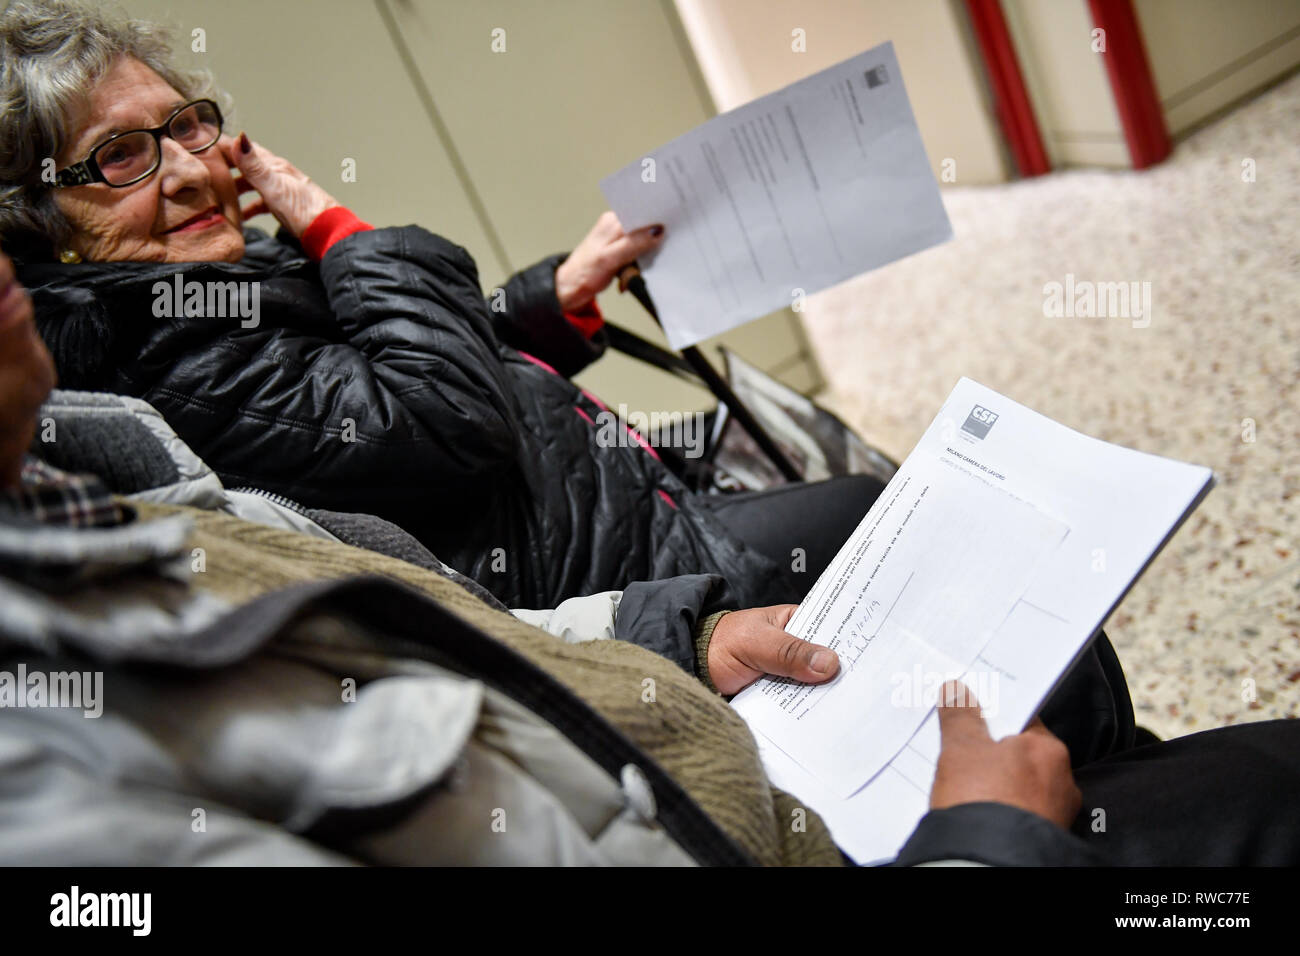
(687, 729)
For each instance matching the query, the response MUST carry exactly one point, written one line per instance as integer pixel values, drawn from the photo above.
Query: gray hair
(52, 54)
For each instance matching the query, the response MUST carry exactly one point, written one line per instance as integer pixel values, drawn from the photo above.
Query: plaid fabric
(53, 497)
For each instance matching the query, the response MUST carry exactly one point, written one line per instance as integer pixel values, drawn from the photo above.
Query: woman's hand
(748, 644)
(283, 190)
(596, 261)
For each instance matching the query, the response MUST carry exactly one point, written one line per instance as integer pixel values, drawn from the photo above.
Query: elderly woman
(350, 368)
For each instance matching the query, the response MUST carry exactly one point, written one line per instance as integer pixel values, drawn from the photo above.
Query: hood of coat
(128, 445)
(89, 313)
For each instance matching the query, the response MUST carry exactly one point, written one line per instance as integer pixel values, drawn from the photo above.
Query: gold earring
(69, 256)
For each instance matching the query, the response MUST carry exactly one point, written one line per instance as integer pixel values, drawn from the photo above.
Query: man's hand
(596, 261)
(748, 644)
(1030, 770)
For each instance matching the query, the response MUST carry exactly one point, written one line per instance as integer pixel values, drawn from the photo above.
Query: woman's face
(186, 211)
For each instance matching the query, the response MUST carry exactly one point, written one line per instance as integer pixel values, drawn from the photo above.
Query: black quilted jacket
(381, 381)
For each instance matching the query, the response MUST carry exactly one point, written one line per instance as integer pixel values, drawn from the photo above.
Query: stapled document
(1030, 535)
(783, 197)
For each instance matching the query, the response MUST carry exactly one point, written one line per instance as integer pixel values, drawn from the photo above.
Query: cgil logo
(103, 909)
(212, 300)
(69, 689)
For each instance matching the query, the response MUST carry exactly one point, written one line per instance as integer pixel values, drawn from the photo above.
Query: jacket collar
(263, 256)
(78, 306)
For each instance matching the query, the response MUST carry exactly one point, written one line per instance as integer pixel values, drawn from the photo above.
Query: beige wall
(318, 83)
(744, 49)
(1204, 54)
(501, 152)
(1207, 54)
(1067, 82)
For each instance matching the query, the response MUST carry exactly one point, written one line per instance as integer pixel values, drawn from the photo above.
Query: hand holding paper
(783, 197)
(1007, 481)
(925, 580)
(748, 644)
(1030, 771)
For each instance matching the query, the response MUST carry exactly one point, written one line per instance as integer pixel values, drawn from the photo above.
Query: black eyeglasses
(131, 156)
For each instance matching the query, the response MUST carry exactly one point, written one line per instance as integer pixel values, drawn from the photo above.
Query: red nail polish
(244, 145)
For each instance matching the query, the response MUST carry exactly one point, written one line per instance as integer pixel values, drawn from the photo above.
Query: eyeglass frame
(88, 171)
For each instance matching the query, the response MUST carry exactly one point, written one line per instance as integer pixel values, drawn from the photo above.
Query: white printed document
(1030, 534)
(782, 197)
(924, 582)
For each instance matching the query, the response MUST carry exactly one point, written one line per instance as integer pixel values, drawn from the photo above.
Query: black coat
(381, 381)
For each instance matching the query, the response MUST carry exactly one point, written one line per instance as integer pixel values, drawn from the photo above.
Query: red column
(1010, 98)
(1131, 82)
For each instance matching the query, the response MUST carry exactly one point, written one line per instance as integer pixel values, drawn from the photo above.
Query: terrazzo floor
(1211, 633)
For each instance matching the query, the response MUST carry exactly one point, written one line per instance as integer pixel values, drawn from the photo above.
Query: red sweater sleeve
(587, 320)
(329, 227)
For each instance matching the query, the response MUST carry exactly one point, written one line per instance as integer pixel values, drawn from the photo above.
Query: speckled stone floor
(1211, 633)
